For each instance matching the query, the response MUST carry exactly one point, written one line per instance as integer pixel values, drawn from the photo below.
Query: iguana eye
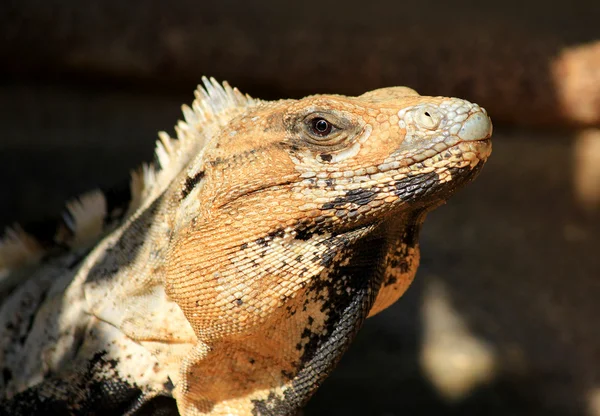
(321, 127)
(325, 129)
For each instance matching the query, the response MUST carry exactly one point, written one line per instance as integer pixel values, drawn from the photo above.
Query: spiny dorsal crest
(85, 218)
(214, 107)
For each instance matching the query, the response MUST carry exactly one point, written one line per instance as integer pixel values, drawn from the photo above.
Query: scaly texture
(243, 261)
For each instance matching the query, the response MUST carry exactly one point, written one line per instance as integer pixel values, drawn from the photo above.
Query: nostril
(428, 119)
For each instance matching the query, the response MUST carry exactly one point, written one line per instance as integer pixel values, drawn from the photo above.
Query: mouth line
(485, 140)
(294, 181)
(258, 189)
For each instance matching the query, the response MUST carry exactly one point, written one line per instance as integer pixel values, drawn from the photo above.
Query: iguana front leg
(109, 375)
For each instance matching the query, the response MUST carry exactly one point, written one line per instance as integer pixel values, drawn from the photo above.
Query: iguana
(244, 262)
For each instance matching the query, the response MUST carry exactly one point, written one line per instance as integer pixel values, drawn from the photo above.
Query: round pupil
(322, 126)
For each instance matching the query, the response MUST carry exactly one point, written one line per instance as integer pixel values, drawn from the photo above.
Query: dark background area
(503, 316)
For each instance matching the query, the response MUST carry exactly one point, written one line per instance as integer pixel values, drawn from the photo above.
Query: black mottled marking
(251, 360)
(347, 293)
(244, 246)
(277, 233)
(390, 280)
(273, 405)
(129, 242)
(304, 234)
(31, 402)
(361, 196)
(460, 177)
(32, 317)
(262, 241)
(320, 219)
(353, 196)
(419, 187)
(160, 405)
(400, 263)
(287, 375)
(326, 157)
(327, 257)
(239, 302)
(99, 360)
(403, 266)
(353, 214)
(311, 183)
(87, 391)
(345, 297)
(408, 240)
(291, 311)
(190, 183)
(412, 188)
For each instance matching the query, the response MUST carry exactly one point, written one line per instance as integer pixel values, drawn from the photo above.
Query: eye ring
(320, 127)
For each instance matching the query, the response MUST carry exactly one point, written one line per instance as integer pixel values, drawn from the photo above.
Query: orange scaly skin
(247, 258)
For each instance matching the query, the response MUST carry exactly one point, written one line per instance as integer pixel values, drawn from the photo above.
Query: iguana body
(245, 262)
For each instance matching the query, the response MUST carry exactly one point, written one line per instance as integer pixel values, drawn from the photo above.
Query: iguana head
(297, 220)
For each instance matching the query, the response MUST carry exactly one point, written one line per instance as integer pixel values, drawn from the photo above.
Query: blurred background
(503, 318)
